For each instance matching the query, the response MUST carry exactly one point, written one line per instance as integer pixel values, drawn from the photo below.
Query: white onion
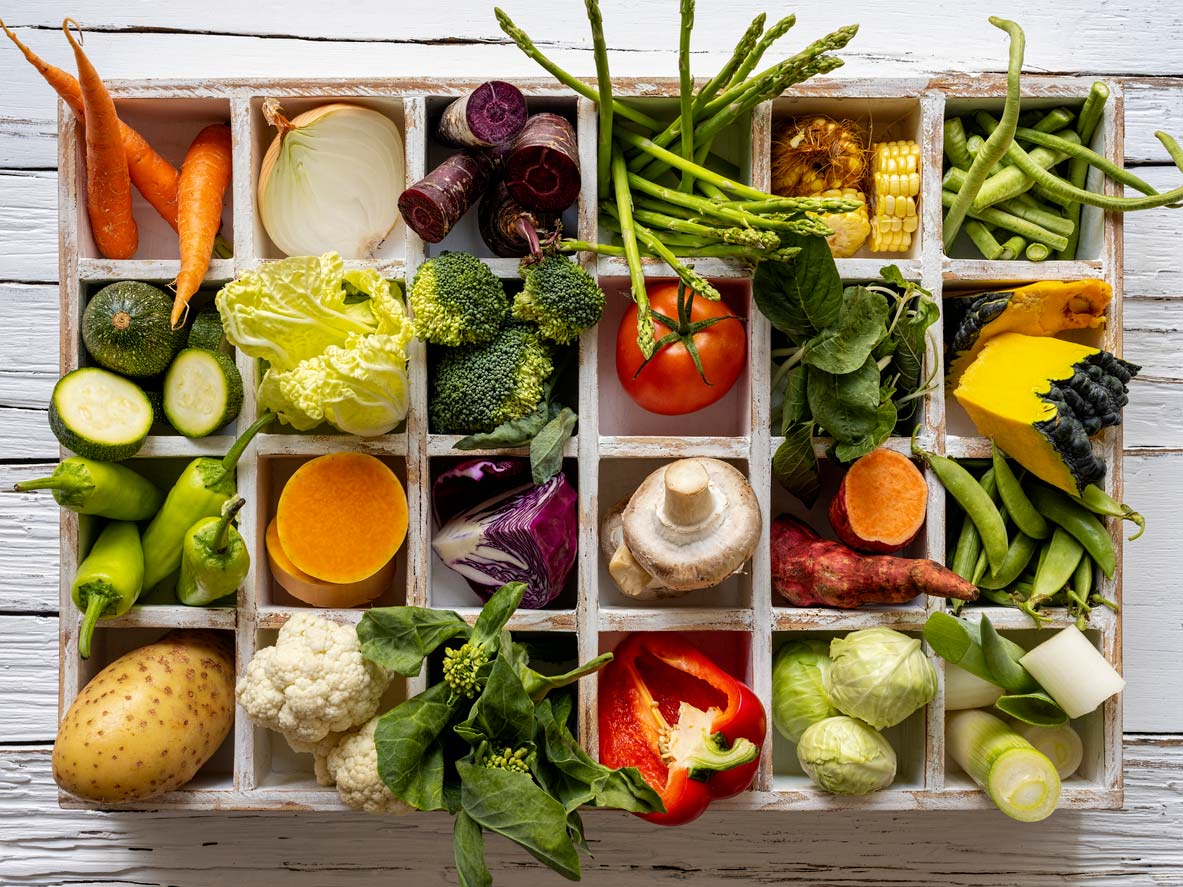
(330, 180)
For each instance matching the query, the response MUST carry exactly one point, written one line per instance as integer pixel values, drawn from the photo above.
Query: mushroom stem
(688, 499)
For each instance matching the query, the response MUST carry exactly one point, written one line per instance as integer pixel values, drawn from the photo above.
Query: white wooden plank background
(40, 844)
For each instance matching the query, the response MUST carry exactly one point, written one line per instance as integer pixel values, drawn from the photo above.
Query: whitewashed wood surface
(40, 844)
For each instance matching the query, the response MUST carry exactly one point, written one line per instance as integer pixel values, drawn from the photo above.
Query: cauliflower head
(313, 682)
(353, 765)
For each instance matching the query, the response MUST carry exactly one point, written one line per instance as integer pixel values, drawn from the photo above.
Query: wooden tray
(616, 445)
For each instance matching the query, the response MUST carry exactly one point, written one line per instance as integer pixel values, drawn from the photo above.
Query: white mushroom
(629, 576)
(692, 523)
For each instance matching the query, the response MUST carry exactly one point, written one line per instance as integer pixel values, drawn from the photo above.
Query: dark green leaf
(400, 638)
(495, 614)
(795, 464)
(546, 450)
(802, 297)
(844, 346)
(892, 275)
(513, 805)
(515, 433)
(503, 712)
(847, 405)
(908, 358)
(575, 830)
(796, 402)
(410, 750)
(848, 451)
(538, 685)
(468, 847)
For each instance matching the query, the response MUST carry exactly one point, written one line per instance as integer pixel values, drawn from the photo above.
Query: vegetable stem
(628, 236)
(686, 93)
(604, 103)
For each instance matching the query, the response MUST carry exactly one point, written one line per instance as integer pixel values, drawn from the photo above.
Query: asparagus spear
(604, 102)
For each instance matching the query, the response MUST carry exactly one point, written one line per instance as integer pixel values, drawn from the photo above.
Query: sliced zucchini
(99, 415)
(207, 332)
(202, 392)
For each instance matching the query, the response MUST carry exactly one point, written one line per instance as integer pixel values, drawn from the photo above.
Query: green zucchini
(126, 328)
(207, 332)
(99, 415)
(202, 392)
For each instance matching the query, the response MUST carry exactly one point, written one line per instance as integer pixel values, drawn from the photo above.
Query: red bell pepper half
(693, 730)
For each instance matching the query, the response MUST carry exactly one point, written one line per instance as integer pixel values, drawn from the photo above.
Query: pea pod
(1018, 506)
(203, 487)
(1098, 501)
(975, 500)
(104, 489)
(1063, 554)
(1059, 508)
(214, 558)
(109, 580)
(1018, 555)
(965, 554)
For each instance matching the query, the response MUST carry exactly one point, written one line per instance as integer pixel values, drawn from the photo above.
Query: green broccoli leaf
(400, 638)
(795, 464)
(468, 848)
(409, 741)
(803, 297)
(546, 450)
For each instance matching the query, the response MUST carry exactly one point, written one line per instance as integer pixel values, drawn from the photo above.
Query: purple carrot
(508, 228)
(542, 167)
(492, 114)
(437, 201)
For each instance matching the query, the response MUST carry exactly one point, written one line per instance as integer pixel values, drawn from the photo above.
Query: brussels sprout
(845, 756)
(799, 696)
(880, 676)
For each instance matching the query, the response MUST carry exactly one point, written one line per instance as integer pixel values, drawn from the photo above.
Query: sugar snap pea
(1063, 554)
(1099, 502)
(1059, 508)
(1018, 506)
(1082, 579)
(974, 498)
(1018, 555)
(969, 546)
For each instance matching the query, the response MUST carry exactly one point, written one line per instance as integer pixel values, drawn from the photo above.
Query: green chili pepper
(1063, 554)
(214, 558)
(201, 490)
(109, 580)
(104, 489)
(1021, 511)
(1059, 508)
(975, 499)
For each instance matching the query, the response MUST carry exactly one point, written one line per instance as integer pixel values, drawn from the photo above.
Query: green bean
(1011, 181)
(974, 144)
(1018, 555)
(975, 499)
(1037, 215)
(996, 145)
(1013, 248)
(955, 144)
(1063, 554)
(1053, 121)
(1098, 501)
(1059, 508)
(1078, 168)
(1072, 148)
(1047, 197)
(1000, 219)
(1003, 661)
(1037, 252)
(986, 242)
(1018, 506)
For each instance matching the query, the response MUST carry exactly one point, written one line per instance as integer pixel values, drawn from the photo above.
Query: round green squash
(126, 328)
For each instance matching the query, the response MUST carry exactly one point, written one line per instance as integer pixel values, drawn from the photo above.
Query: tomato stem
(684, 330)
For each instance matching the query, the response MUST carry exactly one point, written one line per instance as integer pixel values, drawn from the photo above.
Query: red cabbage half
(525, 534)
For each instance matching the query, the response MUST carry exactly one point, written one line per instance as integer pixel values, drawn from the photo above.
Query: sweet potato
(809, 571)
(880, 506)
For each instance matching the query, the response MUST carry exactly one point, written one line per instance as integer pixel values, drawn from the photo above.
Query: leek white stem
(1022, 781)
(965, 690)
(1061, 744)
(1073, 672)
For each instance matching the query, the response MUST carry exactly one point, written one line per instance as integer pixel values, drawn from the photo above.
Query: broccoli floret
(559, 296)
(457, 300)
(478, 387)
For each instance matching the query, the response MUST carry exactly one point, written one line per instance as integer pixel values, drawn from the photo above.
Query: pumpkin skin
(1043, 308)
(1040, 399)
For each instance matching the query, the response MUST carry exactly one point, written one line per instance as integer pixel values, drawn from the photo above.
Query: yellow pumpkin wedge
(1038, 309)
(1041, 398)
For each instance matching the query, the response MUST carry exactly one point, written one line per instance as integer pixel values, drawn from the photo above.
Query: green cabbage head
(844, 756)
(799, 695)
(880, 676)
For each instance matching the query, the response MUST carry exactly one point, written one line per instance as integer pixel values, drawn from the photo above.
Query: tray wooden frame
(247, 781)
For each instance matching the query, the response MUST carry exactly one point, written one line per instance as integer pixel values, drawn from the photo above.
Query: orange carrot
(153, 176)
(205, 176)
(108, 186)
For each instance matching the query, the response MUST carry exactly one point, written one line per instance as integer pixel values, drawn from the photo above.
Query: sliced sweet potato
(880, 506)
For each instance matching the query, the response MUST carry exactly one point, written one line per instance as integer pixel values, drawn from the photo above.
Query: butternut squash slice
(342, 517)
(1041, 399)
(317, 592)
(1043, 308)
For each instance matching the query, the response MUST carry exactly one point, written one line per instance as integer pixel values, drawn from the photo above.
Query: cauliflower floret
(313, 682)
(353, 765)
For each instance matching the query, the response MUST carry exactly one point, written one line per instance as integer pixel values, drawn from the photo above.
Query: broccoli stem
(636, 272)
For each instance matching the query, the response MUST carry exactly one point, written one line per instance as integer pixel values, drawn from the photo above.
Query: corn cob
(850, 228)
(818, 154)
(895, 175)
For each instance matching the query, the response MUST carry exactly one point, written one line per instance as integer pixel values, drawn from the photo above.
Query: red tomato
(670, 383)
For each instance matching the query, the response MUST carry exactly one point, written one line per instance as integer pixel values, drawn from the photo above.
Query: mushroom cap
(629, 576)
(692, 523)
